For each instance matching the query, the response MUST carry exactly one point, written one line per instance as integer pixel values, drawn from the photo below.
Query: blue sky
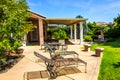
(94, 10)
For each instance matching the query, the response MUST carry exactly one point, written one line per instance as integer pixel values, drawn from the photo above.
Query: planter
(19, 50)
(62, 41)
(7, 52)
(87, 47)
(98, 51)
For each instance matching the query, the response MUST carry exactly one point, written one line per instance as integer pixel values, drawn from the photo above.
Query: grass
(110, 65)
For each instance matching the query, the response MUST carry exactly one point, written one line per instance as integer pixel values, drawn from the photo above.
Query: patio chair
(53, 66)
(47, 47)
(53, 52)
(54, 45)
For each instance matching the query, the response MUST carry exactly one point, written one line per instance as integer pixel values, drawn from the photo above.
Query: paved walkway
(27, 64)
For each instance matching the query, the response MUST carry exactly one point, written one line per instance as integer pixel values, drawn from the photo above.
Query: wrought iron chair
(55, 65)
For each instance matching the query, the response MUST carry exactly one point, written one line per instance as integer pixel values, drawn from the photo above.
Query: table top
(54, 43)
(67, 52)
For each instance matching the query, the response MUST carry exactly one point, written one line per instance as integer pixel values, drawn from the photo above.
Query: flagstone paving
(28, 64)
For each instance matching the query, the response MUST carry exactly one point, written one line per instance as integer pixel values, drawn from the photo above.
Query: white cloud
(75, 3)
(34, 4)
(115, 4)
(82, 4)
(31, 4)
(104, 8)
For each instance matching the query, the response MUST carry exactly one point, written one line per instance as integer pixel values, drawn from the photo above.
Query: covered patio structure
(72, 23)
(39, 34)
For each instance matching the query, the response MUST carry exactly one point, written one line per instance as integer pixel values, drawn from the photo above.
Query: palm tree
(78, 16)
(85, 27)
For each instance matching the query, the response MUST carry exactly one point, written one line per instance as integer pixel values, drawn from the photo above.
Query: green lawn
(110, 65)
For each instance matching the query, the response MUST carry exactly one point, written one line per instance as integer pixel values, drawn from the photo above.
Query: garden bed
(13, 59)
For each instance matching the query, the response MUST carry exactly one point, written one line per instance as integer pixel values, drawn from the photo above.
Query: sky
(94, 10)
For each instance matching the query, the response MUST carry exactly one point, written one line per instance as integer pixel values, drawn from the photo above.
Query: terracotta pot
(19, 51)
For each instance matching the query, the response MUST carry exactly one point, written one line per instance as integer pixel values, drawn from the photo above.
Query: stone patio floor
(27, 64)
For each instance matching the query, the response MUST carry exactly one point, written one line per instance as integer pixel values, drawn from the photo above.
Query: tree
(95, 30)
(13, 23)
(117, 21)
(79, 16)
(115, 32)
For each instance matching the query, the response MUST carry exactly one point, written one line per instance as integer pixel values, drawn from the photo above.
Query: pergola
(72, 22)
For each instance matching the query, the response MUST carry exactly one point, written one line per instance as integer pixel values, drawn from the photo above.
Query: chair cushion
(56, 56)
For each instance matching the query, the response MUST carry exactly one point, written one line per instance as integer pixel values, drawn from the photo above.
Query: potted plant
(60, 35)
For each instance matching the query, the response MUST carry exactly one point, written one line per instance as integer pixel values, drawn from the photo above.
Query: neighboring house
(102, 23)
(110, 24)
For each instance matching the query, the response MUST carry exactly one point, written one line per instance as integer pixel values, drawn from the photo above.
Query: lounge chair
(53, 52)
(55, 65)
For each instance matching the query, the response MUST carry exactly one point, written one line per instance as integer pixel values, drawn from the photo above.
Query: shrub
(88, 38)
(113, 33)
(60, 34)
(110, 40)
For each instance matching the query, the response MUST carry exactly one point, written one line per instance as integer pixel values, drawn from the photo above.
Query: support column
(41, 36)
(75, 38)
(81, 32)
(45, 31)
(71, 32)
(25, 40)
